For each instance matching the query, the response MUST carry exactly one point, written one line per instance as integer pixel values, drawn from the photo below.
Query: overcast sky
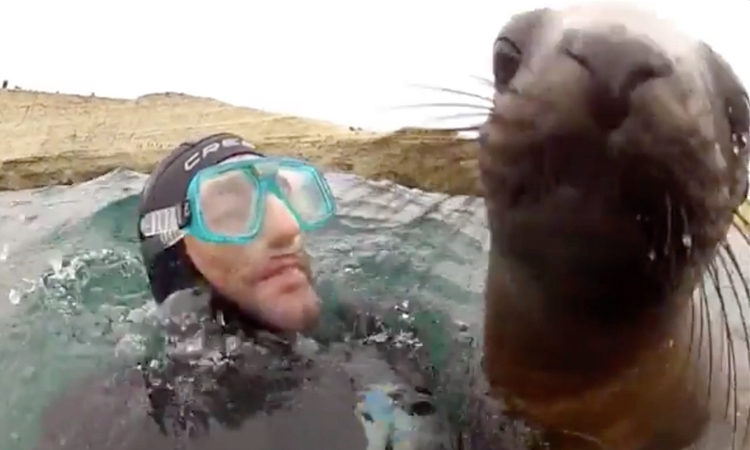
(345, 61)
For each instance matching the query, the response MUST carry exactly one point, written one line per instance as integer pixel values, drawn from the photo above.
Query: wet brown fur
(600, 326)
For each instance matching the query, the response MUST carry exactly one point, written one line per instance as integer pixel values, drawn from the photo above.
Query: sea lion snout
(616, 65)
(610, 131)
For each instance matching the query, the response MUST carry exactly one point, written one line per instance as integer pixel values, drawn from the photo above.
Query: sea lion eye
(738, 114)
(735, 98)
(739, 124)
(506, 61)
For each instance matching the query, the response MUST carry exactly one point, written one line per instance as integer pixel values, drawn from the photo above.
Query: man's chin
(289, 307)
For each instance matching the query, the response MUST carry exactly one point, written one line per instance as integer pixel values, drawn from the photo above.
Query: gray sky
(343, 61)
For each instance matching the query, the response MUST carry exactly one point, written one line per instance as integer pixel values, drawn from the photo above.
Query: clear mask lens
(303, 193)
(227, 203)
(228, 199)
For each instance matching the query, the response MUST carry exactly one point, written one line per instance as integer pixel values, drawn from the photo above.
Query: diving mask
(225, 203)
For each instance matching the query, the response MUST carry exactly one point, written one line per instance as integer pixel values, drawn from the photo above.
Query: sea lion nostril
(617, 65)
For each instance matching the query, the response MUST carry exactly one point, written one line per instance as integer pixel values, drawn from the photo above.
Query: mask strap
(165, 220)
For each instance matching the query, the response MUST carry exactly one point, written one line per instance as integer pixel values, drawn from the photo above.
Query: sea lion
(613, 164)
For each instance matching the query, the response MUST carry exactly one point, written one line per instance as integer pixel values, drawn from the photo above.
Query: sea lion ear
(738, 114)
(738, 108)
(728, 87)
(740, 138)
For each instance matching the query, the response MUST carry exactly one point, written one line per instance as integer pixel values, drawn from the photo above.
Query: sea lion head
(613, 163)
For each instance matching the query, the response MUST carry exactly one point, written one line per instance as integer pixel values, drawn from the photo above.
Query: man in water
(220, 228)
(217, 213)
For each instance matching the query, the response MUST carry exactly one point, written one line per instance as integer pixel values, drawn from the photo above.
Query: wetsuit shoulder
(202, 412)
(100, 412)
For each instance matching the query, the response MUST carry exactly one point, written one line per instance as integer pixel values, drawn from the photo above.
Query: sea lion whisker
(745, 284)
(443, 118)
(707, 310)
(459, 129)
(485, 81)
(730, 254)
(746, 288)
(743, 229)
(454, 91)
(733, 380)
(745, 237)
(445, 105)
(667, 250)
(668, 237)
(692, 330)
(687, 238)
(713, 272)
(745, 221)
(701, 316)
(459, 116)
(685, 371)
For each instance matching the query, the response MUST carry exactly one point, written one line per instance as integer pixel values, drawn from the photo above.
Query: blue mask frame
(188, 216)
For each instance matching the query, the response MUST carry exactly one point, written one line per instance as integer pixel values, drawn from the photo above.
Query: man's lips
(278, 265)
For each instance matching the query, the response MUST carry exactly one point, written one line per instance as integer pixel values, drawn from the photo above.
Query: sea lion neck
(543, 320)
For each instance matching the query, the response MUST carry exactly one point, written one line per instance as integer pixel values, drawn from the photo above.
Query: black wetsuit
(282, 403)
(225, 384)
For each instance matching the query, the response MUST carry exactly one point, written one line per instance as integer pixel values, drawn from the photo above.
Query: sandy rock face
(49, 139)
(60, 139)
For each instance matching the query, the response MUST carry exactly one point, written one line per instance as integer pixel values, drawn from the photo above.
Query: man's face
(268, 278)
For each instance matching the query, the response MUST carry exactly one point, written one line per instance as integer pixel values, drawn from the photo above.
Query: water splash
(14, 297)
(56, 262)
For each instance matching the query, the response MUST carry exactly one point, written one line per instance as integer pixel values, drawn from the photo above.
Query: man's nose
(280, 227)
